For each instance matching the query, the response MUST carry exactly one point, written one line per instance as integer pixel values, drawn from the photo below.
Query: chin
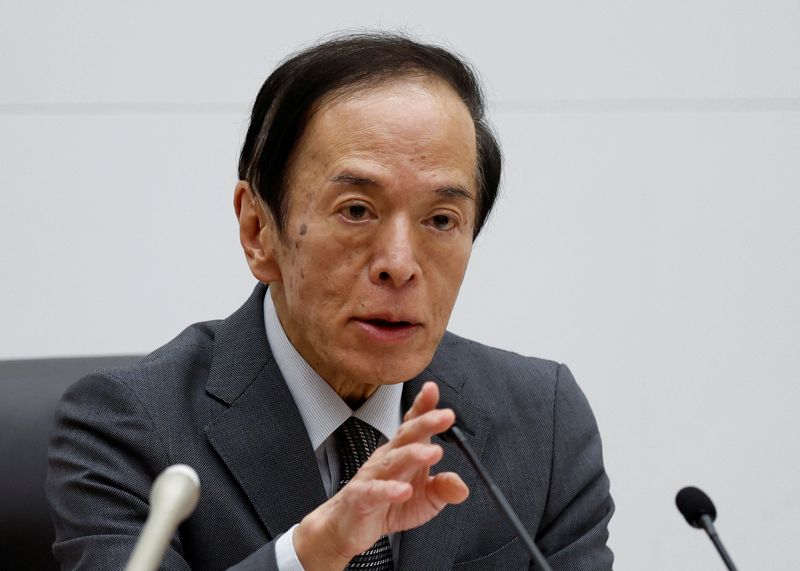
(392, 372)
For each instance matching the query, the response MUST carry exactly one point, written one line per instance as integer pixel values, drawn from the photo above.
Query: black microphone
(454, 434)
(699, 511)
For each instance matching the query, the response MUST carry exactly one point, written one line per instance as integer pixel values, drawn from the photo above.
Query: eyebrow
(458, 192)
(351, 179)
(455, 192)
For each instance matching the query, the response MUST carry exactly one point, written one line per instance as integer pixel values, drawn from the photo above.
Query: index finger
(426, 399)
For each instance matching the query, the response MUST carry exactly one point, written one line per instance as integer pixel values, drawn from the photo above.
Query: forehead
(397, 91)
(417, 119)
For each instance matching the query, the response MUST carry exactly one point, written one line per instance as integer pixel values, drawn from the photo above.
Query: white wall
(648, 234)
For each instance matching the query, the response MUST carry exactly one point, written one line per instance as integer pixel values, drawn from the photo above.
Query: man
(367, 171)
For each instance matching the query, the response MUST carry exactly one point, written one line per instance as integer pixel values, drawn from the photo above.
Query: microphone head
(693, 503)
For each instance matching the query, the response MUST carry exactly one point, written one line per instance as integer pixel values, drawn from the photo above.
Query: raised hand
(393, 491)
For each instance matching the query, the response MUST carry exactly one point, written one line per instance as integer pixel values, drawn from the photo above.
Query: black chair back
(31, 389)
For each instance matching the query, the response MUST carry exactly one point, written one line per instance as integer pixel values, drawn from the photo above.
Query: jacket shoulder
(190, 345)
(470, 359)
(198, 337)
(175, 372)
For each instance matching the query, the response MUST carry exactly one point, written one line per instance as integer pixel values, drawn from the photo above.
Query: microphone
(699, 511)
(456, 435)
(172, 499)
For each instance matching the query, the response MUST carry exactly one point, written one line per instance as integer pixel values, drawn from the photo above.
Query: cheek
(323, 265)
(448, 268)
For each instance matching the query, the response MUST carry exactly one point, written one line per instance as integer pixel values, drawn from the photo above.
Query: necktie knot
(356, 441)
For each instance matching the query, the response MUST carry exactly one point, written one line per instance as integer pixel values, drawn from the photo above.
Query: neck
(354, 395)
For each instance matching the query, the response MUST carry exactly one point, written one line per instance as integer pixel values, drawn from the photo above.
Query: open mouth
(381, 330)
(388, 324)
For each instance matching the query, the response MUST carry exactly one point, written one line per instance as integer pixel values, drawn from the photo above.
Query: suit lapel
(261, 437)
(435, 544)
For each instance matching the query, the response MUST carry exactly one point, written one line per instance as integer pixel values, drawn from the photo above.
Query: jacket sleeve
(104, 454)
(574, 527)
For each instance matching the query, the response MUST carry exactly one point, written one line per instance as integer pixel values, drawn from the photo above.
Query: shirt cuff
(285, 553)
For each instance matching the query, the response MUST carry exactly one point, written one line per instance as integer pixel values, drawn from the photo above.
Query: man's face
(382, 204)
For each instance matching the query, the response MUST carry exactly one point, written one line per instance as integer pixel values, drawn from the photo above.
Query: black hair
(287, 100)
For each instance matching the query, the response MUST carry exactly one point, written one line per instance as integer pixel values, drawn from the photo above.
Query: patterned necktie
(356, 440)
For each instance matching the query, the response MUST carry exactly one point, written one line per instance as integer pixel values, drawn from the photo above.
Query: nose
(394, 261)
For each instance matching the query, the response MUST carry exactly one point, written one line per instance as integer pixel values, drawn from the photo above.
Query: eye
(355, 212)
(442, 222)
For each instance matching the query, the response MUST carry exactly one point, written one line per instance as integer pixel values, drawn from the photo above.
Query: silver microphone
(172, 499)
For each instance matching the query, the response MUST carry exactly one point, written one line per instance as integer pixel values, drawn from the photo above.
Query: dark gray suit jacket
(214, 398)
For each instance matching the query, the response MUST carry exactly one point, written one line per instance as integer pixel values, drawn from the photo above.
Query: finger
(427, 399)
(367, 496)
(447, 487)
(423, 427)
(402, 463)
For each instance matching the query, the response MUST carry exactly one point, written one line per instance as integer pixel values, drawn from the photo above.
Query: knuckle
(415, 453)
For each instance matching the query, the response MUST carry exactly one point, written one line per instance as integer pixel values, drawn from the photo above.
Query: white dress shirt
(323, 411)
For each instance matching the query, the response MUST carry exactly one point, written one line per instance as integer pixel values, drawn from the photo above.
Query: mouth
(387, 330)
(388, 324)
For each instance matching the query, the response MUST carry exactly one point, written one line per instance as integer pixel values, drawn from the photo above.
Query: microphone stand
(708, 525)
(454, 434)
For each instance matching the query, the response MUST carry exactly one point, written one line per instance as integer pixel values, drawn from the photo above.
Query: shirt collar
(322, 410)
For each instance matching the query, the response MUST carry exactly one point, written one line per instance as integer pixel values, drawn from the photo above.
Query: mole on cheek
(303, 229)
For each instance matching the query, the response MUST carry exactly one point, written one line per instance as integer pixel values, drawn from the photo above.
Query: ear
(257, 234)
